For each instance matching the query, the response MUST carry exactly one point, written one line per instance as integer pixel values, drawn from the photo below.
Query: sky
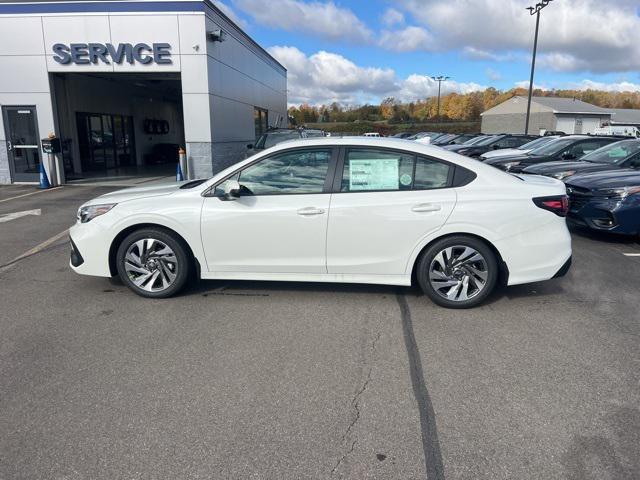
(361, 51)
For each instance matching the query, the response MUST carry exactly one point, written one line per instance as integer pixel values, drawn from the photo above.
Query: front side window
(377, 170)
(293, 172)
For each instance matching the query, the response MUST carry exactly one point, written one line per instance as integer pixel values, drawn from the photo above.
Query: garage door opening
(118, 126)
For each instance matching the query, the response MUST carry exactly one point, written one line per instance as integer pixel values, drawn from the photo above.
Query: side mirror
(568, 156)
(496, 147)
(250, 146)
(232, 190)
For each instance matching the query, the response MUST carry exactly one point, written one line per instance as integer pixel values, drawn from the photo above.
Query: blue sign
(94, 53)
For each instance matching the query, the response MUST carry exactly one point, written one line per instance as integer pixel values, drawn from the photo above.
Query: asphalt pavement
(289, 381)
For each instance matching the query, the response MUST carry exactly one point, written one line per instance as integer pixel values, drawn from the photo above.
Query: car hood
(609, 179)
(134, 193)
(549, 168)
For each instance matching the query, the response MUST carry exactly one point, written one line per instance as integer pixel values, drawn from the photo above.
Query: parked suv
(565, 148)
(623, 154)
(494, 142)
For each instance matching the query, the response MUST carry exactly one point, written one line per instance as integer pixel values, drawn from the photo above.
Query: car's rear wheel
(458, 272)
(153, 263)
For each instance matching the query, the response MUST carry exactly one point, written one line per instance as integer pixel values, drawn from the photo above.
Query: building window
(260, 120)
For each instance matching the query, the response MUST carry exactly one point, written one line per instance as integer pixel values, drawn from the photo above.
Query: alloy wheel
(458, 273)
(151, 265)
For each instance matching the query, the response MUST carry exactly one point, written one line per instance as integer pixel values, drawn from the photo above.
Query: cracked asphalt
(289, 381)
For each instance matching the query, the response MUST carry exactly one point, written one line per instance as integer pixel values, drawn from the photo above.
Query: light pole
(534, 11)
(439, 79)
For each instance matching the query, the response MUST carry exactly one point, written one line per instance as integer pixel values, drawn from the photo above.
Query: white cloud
(231, 13)
(326, 20)
(492, 74)
(326, 77)
(586, 84)
(575, 35)
(609, 87)
(407, 39)
(392, 17)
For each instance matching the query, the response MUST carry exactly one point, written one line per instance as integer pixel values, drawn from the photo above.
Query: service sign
(106, 53)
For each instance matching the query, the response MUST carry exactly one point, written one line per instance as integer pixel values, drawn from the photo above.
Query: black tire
(182, 269)
(427, 259)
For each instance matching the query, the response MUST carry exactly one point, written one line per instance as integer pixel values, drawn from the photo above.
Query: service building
(123, 84)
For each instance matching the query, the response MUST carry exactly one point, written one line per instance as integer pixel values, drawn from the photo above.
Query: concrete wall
(516, 122)
(221, 81)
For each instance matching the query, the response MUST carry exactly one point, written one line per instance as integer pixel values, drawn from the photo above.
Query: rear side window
(431, 174)
(377, 170)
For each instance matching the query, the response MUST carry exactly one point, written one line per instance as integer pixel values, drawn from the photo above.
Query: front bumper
(90, 244)
(75, 257)
(605, 215)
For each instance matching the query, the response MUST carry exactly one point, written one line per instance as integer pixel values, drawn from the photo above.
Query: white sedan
(352, 210)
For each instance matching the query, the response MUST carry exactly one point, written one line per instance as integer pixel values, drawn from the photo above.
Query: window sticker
(405, 179)
(375, 174)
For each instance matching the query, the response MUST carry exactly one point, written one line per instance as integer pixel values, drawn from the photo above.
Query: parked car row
(602, 174)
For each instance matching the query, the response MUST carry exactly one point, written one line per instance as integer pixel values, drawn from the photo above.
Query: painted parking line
(631, 254)
(27, 194)
(37, 249)
(15, 215)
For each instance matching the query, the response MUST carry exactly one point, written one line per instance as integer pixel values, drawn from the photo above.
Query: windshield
(270, 139)
(443, 139)
(554, 147)
(475, 140)
(537, 143)
(462, 139)
(488, 140)
(613, 153)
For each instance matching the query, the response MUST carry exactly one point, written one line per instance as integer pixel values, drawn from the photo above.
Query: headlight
(563, 175)
(507, 166)
(622, 192)
(88, 213)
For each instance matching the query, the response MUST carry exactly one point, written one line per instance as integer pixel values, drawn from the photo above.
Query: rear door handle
(308, 211)
(426, 207)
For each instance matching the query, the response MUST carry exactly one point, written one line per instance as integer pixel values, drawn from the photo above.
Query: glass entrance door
(23, 146)
(106, 142)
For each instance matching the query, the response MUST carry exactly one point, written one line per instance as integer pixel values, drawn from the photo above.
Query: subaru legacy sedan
(350, 210)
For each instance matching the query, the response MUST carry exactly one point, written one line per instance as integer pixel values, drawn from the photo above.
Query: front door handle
(308, 211)
(426, 207)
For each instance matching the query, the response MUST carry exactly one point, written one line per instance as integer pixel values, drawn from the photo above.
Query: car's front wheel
(153, 263)
(458, 272)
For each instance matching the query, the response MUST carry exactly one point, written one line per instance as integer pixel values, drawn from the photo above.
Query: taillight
(558, 204)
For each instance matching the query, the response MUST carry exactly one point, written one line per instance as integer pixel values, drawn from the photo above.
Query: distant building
(547, 113)
(625, 116)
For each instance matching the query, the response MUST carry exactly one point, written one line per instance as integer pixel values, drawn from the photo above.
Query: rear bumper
(564, 269)
(537, 255)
